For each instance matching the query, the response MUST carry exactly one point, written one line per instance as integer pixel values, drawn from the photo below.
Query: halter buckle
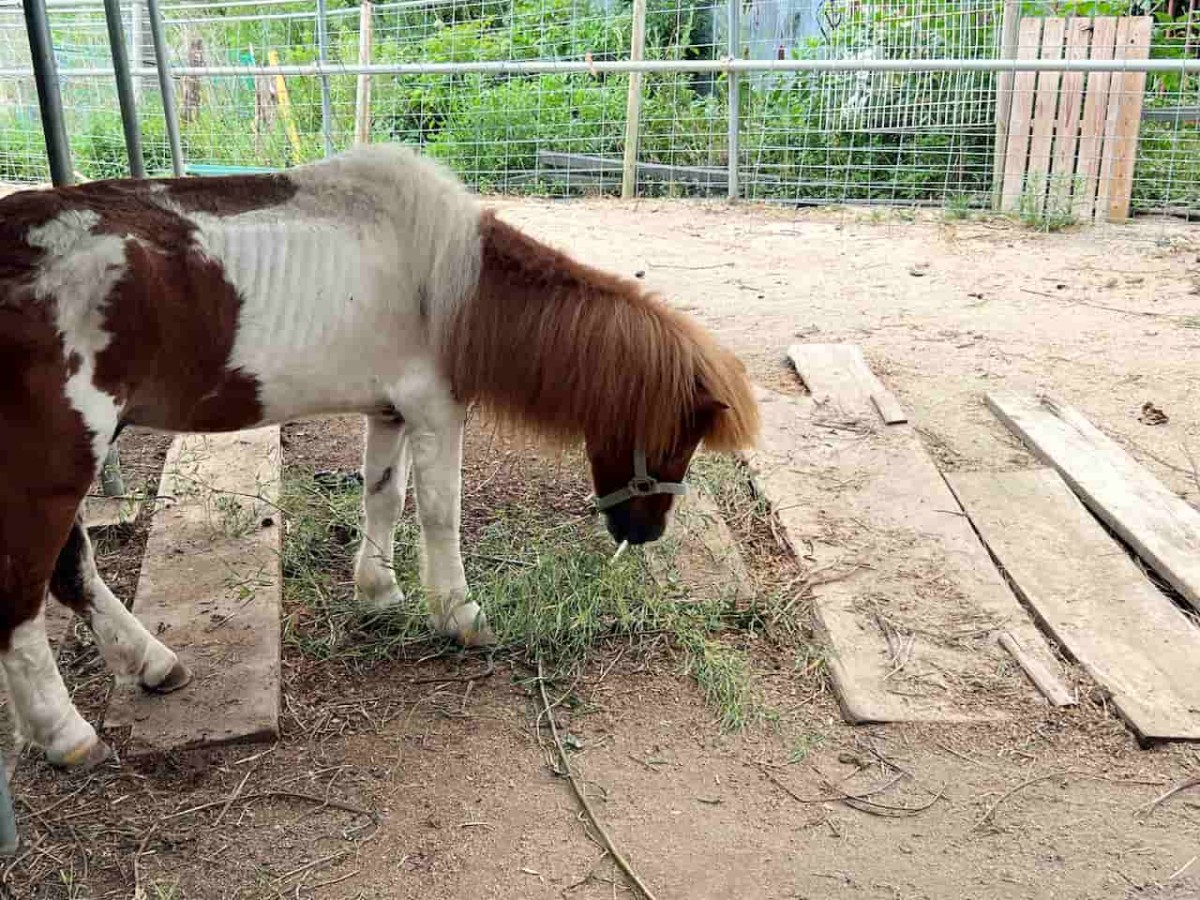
(643, 485)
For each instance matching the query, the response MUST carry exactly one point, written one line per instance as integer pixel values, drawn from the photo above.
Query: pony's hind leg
(385, 480)
(437, 464)
(129, 650)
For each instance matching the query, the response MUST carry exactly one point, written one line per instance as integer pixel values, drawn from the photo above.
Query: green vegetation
(852, 136)
(552, 591)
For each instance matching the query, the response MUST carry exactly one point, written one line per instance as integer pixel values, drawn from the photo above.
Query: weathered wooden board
(911, 606)
(1024, 83)
(1128, 88)
(1070, 108)
(1045, 112)
(1091, 596)
(700, 553)
(839, 373)
(1095, 111)
(1161, 528)
(210, 588)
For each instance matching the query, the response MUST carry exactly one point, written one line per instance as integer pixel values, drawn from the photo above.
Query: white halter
(640, 485)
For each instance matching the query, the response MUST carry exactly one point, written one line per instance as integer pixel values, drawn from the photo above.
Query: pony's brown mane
(555, 346)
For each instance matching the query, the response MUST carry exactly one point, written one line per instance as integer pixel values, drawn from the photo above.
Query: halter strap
(642, 484)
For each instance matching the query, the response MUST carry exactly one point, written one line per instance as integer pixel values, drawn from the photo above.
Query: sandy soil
(1053, 804)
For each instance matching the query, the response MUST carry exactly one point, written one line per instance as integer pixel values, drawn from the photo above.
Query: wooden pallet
(1070, 139)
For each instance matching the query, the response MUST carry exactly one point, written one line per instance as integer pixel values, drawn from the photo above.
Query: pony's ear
(706, 401)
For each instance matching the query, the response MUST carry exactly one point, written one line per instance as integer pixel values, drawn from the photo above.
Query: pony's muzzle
(627, 523)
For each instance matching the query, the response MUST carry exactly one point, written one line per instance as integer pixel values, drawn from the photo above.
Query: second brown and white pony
(373, 283)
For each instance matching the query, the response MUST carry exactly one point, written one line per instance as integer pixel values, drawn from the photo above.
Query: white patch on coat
(77, 275)
(346, 285)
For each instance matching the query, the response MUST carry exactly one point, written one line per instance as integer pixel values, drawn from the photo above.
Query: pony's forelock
(560, 350)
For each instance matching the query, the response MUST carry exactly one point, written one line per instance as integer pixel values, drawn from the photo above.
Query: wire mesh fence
(860, 134)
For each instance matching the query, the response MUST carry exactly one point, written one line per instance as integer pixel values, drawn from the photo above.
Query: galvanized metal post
(136, 40)
(323, 56)
(735, 29)
(129, 119)
(162, 62)
(45, 75)
(9, 839)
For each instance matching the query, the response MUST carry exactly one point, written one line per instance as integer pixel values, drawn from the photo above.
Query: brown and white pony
(371, 283)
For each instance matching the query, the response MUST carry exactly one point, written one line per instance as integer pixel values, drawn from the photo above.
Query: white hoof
(381, 601)
(467, 624)
(76, 746)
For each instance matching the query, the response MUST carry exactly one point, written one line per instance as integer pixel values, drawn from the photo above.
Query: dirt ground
(1052, 804)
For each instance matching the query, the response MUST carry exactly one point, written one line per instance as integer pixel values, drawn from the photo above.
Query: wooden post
(735, 45)
(285, 108)
(190, 84)
(633, 106)
(1009, 32)
(362, 101)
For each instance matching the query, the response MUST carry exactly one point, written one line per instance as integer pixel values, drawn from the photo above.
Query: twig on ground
(276, 795)
(606, 839)
(1158, 801)
(723, 265)
(487, 672)
(871, 807)
(991, 810)
(341, 854)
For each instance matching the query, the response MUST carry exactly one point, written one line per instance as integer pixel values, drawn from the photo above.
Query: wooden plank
(907, 599)
(210, 586)
(1092, 597)
(1095, 111)
(1128, 95)
(1112, 113)
(839, 372)
(1045, 112)
(1070, 108)
(1161, 528)
(1024, 84)
(700, 553)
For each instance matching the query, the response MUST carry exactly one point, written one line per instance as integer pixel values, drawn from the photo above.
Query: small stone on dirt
(1152, 415)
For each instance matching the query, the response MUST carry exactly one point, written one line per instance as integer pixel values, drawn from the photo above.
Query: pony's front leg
(385, 480)
(437, 460)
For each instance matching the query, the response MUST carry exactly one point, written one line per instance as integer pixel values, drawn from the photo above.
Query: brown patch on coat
(173, 316)
(146, 209)
(46, 463)
(229, 195)
(173, 320)
(552, 344)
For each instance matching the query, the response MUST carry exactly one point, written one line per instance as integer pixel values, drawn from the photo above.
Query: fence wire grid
(874, 137)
